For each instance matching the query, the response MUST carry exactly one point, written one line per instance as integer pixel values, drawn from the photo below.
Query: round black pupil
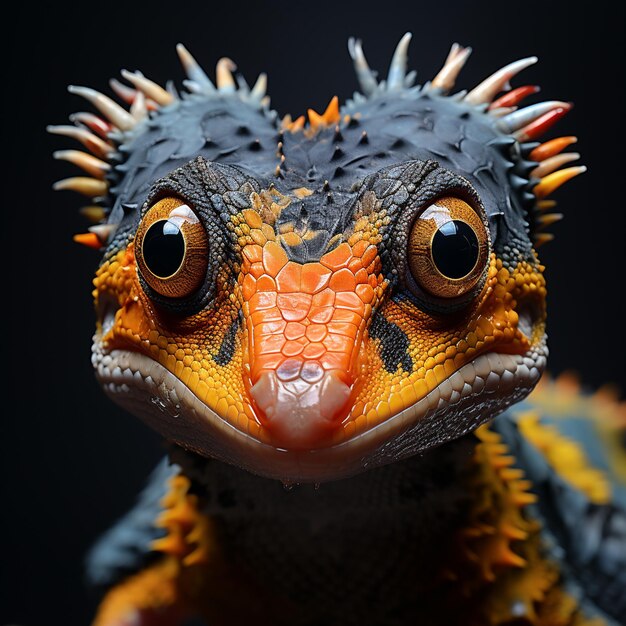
(163, 248)
(455, 249)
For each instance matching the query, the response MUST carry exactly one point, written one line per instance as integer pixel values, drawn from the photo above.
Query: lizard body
(343, 301)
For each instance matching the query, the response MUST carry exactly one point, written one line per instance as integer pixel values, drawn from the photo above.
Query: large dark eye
(172, 249)
(448, 248)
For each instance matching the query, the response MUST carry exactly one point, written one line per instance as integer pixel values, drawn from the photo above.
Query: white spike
(192, 86)
(138, 108)
(446, 78)
(113, 111)
(87, 162)
(365, 76)
(514, 121)
(92, 142)
(397, 69)
(193, 69)
(409, 79)
(148, 87)
(260, 87)
(103, 231)
(486, 91)
(553, 163)
(501, 111)
(224, 75)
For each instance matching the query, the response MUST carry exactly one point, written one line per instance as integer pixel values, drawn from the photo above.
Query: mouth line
(478, 391)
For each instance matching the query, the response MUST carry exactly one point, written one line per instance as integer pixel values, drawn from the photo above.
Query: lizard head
(309, 300)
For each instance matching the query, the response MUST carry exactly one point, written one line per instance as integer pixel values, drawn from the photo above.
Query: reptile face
(311, 300)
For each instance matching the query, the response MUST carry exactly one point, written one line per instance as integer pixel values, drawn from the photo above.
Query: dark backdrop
(73, 461)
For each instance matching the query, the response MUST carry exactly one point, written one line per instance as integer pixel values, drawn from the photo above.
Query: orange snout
(306, 324)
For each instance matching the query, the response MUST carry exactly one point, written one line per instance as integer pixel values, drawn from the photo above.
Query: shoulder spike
(522, 117)
(92, 165)
(90, 141)
(93, 213)
(552, 182)
(85, 185)
(119, 116)
(92, 122)
(454, 63)
(549, 165)
(193, 70)
(552, 147)
(514, 97)
(91, 240)
(365, 76)
(499, 81)
(329, 117)
(539, 126)
(539, 239)
(148, 87)
(260, 88)
(397, 68)
(138, 108)
(224, 75)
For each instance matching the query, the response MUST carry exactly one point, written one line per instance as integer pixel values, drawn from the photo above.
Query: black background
(72, 461)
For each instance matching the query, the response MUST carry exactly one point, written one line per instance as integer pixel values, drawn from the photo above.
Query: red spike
(514, 97)
(90, 240)
(541, 124)
(94, 123)
(552, 147)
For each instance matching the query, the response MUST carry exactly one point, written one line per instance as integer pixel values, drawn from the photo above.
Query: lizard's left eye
(172, 249)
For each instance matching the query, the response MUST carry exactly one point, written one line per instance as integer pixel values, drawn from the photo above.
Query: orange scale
(294, 307)
(338, 343)
(345, 329)
(270, 344)
(323, 298)
(262, 300)
(369, 255)
(294, 348)
(349, 300)
(365, 292)
(314, 277)
(338, 258)
(257, 270)
(274, 258)
(270, 328)
(346, 315)
(289, 278)
(355, 265)
(334, 361)
(343, 280)
(249, 286)
(269, 315)
(316, 332)
(266, 283)
(265, 362)
(253, 253)
(373, 281)
(361, 276)
(359, 248)
(314, 350)
(320, 314)
(294, 330)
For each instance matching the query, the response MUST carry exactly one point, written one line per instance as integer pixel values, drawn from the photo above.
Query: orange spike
(548, 219)
(94, 214)
(83, 184)
(544, 205)
(539, 126)
(552, 182)
(172, 544)
(329, 117)
(540, 238)
(88, 239)
(552, 147)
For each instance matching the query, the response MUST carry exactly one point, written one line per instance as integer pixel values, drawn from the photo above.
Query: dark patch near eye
(393, 344)
(227, 349)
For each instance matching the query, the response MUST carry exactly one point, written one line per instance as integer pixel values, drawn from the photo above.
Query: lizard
(335, 322)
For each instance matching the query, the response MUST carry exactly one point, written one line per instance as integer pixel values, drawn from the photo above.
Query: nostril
(301, 411)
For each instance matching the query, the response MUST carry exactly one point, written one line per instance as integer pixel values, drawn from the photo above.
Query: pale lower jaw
(479, 391)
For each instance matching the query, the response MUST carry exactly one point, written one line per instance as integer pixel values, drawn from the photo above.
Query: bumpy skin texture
(307, 340)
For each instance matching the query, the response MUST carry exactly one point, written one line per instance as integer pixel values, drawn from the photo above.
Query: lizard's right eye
(172, 249)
